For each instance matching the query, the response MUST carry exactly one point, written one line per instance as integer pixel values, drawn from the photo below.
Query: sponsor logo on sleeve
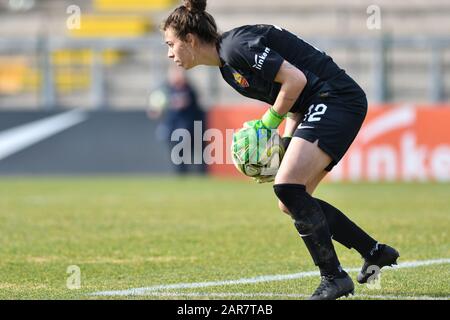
(259, 59)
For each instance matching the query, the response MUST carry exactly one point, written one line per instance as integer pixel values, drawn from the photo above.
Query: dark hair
(192, 18)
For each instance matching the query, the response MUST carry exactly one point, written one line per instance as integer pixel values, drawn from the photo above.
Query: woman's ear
(191, 40)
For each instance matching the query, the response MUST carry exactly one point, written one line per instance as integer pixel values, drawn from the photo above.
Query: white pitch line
(268, 278)
(395, 297)
(280, 295)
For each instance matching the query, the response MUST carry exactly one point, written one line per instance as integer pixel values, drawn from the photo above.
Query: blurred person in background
(176, 105)
(326, 110)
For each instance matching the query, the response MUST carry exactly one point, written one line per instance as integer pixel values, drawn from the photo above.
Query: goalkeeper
(327, 108)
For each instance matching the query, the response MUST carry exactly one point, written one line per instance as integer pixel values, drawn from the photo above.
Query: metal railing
(105, 85)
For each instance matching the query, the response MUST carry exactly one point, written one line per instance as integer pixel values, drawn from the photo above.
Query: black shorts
(334, 122)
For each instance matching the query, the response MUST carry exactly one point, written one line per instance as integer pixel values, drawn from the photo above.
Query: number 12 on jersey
(315, 112)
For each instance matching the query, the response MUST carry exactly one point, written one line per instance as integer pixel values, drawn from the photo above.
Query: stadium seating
(132, 5)
(408, 78)
(112, 26)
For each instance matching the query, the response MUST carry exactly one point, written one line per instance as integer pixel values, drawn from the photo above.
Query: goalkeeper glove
(250, 141)
(270, 120)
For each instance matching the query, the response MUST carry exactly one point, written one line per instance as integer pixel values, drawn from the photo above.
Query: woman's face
(180, 51)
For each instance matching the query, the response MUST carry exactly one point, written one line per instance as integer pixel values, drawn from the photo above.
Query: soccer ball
(257, 152)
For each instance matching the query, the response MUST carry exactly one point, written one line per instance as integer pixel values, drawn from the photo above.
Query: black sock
(312, 226)
(346, 232)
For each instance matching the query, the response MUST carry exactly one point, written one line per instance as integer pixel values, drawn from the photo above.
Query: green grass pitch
(125, 233)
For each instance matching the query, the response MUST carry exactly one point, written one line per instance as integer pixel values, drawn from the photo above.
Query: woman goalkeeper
(326, 108)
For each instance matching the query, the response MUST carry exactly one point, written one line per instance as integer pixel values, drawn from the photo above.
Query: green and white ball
(256, 154)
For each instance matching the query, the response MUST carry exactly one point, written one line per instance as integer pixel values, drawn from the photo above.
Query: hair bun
(195, 5)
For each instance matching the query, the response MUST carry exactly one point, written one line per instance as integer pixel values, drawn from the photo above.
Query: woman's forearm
(293, 81)
(286, 98)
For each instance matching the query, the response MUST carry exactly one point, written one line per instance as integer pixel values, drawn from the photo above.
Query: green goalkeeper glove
(270, 120)
(250, 149)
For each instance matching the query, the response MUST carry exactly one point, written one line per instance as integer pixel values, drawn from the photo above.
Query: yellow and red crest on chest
(240, 80)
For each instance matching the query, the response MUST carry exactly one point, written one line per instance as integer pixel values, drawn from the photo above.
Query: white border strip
(154, 289)
(280, 295)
